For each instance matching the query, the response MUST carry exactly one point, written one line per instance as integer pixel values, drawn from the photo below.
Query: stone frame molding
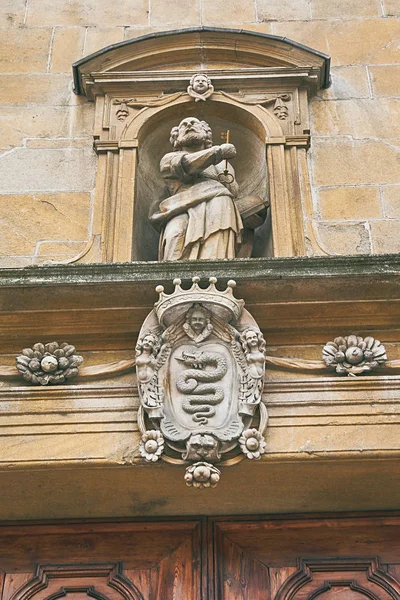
(137, 84)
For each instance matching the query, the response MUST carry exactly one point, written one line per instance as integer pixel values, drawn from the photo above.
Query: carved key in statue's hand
(228, 151)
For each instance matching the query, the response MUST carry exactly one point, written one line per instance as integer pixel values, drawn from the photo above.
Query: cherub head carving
(200, 87)
(198, 323)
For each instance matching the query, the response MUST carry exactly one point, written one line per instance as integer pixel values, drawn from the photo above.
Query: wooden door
(307, 558)
(346, 558)
(104, 561)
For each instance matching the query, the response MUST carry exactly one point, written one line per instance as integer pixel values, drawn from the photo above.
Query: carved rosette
(252, 443)
(51, 363)
(200, 363)
(353, 355)
(151, 445)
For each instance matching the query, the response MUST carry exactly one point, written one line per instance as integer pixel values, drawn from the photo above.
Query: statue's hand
(228, 150)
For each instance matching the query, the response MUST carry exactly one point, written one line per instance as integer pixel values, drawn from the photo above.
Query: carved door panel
(307, 559)
(110, 561)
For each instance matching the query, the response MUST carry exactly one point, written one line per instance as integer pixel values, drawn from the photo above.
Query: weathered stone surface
(283, 10)
(12, 13)
(345, 238)
(350, 203)
(67, 48)
(220, 12)
(385, 236)
(175, 12)
(351, 42)
(42, 170)
(385, 80)
(357, 118)
(45, 122)
(100, 37)
(57, 143)
(101, 12)
(19, 90)
(343, 9)
(50, 250)
(24, 50)
(344, 162)
(391, 201)
(391, 8)
(347, 82)
(14, 262)
(27, 219)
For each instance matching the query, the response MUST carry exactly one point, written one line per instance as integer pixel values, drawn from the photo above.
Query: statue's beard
(191, 138)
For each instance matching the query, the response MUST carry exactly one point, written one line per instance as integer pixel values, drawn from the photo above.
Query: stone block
(283, 10)
(102, 13)
(227, 12)
(357, 118)
(345, 238)
(12, 13)
(14, 262)
(350, 42)
(20, 90)
(45, 122)
(179, 13)
(356, 203)
(347, 82)
(24, 50)
(391, 201)
(29, 218)
(385, 80)
(67, 48)
(346, 162)
(391, 8)
(42, 170)
(100, 37)
(385, 236)
(343, 9)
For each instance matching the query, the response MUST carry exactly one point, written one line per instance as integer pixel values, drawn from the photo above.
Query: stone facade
(48, 166)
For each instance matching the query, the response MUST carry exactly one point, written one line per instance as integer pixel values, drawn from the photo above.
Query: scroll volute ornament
(200, 370)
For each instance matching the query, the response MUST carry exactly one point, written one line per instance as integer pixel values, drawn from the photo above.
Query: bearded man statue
(200, 219)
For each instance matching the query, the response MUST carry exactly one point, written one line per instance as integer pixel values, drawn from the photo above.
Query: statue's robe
(200, 218)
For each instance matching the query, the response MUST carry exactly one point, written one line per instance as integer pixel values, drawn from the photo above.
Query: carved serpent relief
(200, 367)
(203, 396)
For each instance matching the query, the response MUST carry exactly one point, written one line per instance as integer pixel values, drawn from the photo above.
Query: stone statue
(200, 219)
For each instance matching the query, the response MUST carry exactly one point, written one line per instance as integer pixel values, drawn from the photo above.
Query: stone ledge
(240, 269)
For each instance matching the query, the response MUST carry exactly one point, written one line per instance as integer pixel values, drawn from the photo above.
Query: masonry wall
(47, 165)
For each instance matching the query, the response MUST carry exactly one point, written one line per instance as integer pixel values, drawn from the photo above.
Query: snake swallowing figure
(199, 383)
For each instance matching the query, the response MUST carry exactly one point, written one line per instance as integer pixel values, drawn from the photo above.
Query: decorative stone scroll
(200, 369)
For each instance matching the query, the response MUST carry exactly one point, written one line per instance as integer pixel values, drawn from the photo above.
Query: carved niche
(255, 86)
(200, 361)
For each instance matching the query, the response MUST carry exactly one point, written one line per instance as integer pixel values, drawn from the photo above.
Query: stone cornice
(340, 267)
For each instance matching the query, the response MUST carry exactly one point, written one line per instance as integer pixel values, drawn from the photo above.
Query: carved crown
(223, 303)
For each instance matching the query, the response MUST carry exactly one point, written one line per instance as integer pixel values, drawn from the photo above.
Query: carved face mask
(200, 84)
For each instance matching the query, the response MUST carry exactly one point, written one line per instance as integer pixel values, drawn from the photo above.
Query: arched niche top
(198, 49)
